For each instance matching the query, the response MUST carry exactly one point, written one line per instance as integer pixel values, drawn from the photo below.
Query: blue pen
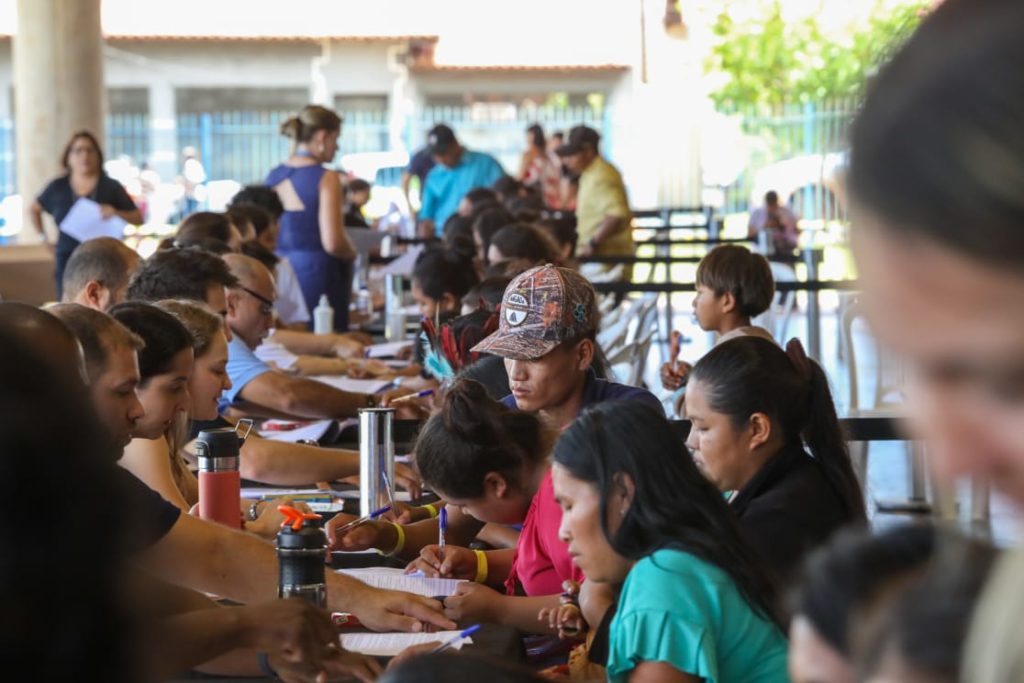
(418, 394)
(442, 529)
(356, 522)
(454, 639)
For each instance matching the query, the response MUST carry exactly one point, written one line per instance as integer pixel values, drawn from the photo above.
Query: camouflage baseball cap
(542, 308)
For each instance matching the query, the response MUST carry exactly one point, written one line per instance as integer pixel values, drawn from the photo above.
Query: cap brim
(514, 347)
(566, 150)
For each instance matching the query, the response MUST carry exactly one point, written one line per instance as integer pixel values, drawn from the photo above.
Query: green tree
(769, 62)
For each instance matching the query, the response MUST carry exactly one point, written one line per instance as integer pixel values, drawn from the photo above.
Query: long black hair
(472, 435)
(750, 375)
(163, 334)
(673, 505)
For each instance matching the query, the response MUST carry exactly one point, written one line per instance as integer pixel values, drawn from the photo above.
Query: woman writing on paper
(84, 179)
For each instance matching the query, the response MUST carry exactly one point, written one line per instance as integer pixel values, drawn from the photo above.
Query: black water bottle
(301, 554)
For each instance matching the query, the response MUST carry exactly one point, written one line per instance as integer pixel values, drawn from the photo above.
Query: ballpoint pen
(356, 522)
(454, 639)
(418, 394)
(387, 487)
(442, 528)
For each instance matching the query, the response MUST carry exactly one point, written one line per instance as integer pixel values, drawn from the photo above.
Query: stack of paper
(387, 349)
(397, 580)
(390, 644)
(313, 431)
(357, 386)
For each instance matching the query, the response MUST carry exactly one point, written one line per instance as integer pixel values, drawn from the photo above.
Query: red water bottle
(220, 485)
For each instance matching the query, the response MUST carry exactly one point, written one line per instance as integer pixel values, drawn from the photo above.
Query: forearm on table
(301, 397)
(214, 559)
(315, 365)
(305, 343)
(288, 464)
(499, 564)
(208, 640)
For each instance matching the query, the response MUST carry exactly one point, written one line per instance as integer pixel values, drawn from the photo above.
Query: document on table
(397, 580)
(85, 221)
(358, 386)
(390, 644)
(387, 349)
(313, 431)
(400, 496)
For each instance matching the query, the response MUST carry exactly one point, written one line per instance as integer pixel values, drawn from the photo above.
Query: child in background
(357, 193)
(440, 278)
(733, 286)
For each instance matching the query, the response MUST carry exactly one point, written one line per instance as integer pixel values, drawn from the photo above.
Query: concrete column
(58, 86)
(163, 135)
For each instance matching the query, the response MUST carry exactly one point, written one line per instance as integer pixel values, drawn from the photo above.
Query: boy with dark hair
(733, 286)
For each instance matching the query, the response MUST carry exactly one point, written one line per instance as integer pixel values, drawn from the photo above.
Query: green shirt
(681, 610)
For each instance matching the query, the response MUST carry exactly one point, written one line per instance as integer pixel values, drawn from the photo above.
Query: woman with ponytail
(492, 463)
(312, 232)
(765, 429)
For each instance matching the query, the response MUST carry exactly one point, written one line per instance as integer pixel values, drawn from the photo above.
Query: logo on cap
(516, 307)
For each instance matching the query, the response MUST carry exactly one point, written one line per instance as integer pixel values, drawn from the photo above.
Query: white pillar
(163, 136)
(58, 86)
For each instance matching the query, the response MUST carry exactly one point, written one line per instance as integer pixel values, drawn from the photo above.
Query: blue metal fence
(797, 150)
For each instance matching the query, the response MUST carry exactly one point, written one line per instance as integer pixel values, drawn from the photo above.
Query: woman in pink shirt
(492, 462)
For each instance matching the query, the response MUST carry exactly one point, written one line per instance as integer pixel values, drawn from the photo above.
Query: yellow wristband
(429, 507)
(481, 566)
(401, 541)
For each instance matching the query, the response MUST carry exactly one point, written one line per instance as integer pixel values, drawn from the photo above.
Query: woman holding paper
(84, 181)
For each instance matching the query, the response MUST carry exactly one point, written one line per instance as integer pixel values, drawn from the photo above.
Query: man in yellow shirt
(603, 218)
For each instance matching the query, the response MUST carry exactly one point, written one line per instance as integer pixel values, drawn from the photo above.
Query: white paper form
(314, 431)
(390, 644)
(358, 386)
(85, 221)
(397, 580)
(387, 349)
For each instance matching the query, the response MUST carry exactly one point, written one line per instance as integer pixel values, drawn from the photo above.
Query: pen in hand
(362, 520)
(454, 639)
(442, 529)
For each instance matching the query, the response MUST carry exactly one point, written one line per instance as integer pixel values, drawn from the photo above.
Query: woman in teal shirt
(693, 604)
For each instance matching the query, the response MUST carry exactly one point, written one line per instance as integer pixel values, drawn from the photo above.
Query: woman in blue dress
(312, 231)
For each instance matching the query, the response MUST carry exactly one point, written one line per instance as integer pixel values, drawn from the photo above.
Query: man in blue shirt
(458, 171)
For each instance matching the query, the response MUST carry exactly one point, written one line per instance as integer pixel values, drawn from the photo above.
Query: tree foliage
(769, 62)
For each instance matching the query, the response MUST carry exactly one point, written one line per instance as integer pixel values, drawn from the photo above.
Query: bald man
(98, 272)
(257, 388)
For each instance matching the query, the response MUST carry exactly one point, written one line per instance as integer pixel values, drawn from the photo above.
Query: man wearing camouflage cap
(546, 335)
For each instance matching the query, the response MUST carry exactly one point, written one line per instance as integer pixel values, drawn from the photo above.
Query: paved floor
(887, 461)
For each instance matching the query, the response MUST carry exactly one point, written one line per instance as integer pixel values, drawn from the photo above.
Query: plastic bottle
(363, 301)
(323, 317)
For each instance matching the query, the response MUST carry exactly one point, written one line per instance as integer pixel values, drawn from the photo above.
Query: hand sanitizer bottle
(323, 317)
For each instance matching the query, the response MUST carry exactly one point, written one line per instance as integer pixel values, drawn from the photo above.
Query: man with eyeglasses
(257, 388)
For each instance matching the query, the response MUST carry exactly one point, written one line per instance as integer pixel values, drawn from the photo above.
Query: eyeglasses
(266, 305)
